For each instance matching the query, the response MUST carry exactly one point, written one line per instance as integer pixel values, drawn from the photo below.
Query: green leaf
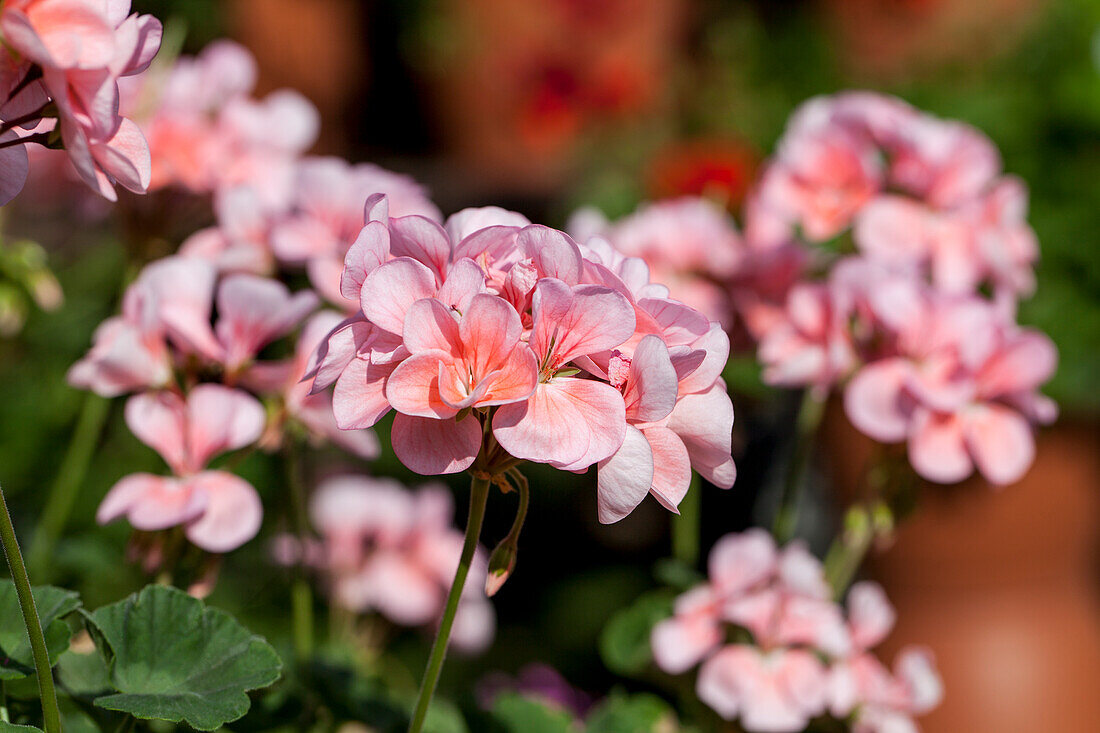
(84, 674)
(632, 714)
(624, 643)
(53, 604)
(173, 659)
(13, 728)
(518, 714)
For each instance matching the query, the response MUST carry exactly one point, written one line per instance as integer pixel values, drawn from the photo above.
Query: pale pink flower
(218, 510)
(769, 692)
(961, 390)
(122, 359)
(390, 550)
(813, 344)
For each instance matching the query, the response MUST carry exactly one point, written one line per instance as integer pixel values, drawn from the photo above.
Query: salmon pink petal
(624, 478)
(475, 623)
(336, 350)
(1000, 440)
(233, 512)
(465, 280)
(150, 502)
(1022, 365)
(650, 392)
(367, 253)
(723, 677)
(514, 381)
(465, 223)
(553, 253)
(159, 419)
(870, 614)
(253, 312)
(937, 448)
(679, 643)
(430, 326)
(490, 329)
(359, 399)
(704, 421)
(570, 423)
(423, 240)
(401, 590)
(221, 419)
(431, 447)
(390, 290)
(414, 387)
(874, 400)
(574, 322)
(800, 572)
(125, 157)
(671, 467)
(915, 667)
(739, 561)
(715, 345)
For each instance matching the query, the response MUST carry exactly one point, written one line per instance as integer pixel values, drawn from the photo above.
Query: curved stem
(848, 550)
(809, 418)
(479, 494)
(64, 490)
(51, 716)
(524, 490)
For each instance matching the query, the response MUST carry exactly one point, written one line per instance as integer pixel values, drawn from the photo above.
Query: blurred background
(546, 105)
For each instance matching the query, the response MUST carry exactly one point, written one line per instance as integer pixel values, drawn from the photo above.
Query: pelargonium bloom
(387, 549)
(73, 53)
(803, 655)
(492, 339)
(218, 510)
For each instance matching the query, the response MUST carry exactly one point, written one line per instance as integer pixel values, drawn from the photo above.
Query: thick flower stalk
(60, 68)
(798, 654)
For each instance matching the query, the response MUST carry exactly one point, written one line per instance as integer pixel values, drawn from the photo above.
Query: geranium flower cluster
(930, 358)
(796, 655)
(60, 66)
(389, 550)
(206, 132)
(497, 341)
(197, 382)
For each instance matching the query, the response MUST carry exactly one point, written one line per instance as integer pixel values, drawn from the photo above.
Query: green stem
(479, 495)
(524, 490)
(51, 715)
(848, 550)
(66, 486)
(809, 418)
(301, 607)
(686, 526)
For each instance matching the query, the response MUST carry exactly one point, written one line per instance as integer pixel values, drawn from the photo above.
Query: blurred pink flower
(803, 656)
(387, 549)
(219, 511)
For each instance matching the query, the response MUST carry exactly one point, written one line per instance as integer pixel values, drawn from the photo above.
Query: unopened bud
(501, 564)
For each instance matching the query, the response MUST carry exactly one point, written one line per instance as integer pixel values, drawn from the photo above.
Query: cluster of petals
(953, 376)
(168, 335)
(914, 191)
(798, 655)
(219, 511)
(384, 548)
(206, 132)
(488, 331)
(60, 67)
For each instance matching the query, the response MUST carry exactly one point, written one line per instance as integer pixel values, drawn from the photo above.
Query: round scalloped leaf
(53, 604)
(174, 659)
(13, 728)
(624, 643)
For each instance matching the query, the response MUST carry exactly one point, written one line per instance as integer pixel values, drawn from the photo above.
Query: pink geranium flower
(804, 656)
(492, 338)
(387, 549)
(218, 511)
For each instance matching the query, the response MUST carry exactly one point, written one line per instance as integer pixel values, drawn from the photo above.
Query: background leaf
(173, 659)
(624, 643)
(53, 604)
(518, 714)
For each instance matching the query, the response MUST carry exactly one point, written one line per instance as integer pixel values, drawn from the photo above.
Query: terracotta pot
(1002, 585)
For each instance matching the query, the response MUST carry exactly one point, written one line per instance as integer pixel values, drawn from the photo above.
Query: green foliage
(12, 728)
(53, 605)
(518, 714)
(632, 714)
(624, 643)
(173, 659)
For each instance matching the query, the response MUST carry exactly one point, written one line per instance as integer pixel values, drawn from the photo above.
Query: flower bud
(501, 564)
